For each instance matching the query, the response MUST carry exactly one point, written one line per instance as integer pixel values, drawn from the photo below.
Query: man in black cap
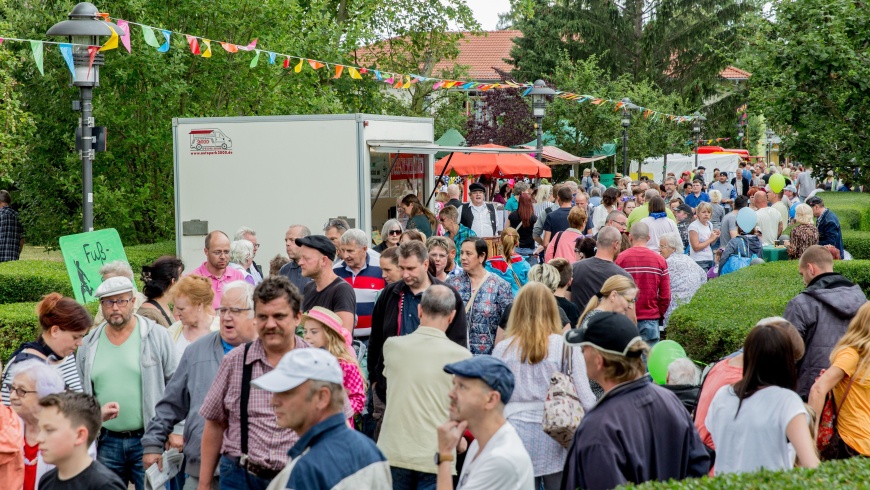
(478, 215)
(327, 289)
(638, 431)
(497, 458)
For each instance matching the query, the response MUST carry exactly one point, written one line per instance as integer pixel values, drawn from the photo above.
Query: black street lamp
(627, 106)
(83, 29)
(740, 133)
(696, 129)
(769, 134)
(539, 93)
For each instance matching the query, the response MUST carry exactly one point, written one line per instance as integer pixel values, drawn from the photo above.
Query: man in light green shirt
(417, 389)
(642, 211)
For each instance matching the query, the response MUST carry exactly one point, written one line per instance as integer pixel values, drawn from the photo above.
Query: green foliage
(723, 311)
(846, 474)
(139, 255)
(30, 280)
(19, 323)
(852, 208)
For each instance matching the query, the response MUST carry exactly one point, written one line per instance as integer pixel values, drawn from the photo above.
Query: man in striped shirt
(650, 273)
(364, 275)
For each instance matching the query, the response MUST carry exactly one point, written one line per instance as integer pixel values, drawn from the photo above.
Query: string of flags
(160, 39)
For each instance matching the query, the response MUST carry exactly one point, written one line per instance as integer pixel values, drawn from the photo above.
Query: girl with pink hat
(323, 330)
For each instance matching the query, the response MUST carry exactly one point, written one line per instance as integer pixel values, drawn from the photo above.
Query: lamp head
(84, 28)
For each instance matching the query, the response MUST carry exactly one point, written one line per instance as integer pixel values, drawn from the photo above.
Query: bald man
(215, 268)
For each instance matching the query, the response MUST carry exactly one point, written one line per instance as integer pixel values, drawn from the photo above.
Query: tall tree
(501, 117)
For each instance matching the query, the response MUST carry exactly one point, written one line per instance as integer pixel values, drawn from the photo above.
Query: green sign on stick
(84, 254)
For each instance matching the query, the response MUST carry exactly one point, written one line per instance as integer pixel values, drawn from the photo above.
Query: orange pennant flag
(398, 84)
(354, 73)
(298, 67)
(338, 70)
(315, 64)
(230, 48)
(104, 15)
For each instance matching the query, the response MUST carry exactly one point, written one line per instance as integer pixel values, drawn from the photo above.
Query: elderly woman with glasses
(686, 275)
(390, 235)
(241, 258)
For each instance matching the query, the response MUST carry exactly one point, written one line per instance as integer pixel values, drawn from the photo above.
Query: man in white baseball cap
(308, 397)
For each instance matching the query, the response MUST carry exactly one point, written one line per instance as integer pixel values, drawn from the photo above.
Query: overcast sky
(486, 11)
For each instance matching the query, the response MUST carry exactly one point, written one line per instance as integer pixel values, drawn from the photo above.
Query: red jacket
(650, 273)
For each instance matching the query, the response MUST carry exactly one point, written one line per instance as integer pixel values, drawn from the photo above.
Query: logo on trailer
(210, 142)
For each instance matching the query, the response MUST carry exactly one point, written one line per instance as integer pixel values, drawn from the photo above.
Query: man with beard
(497, 458)
(216, 266)
(127, 360)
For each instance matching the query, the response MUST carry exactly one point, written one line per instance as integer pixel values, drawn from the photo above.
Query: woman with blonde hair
(618, 294)
(192, 301)
(411, 235)
(419, 217)
(804, 234)
(534, 349)
(849, 378)
(702, 235)
(510, 266)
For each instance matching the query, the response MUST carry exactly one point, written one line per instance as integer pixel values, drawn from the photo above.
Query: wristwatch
(441, 458)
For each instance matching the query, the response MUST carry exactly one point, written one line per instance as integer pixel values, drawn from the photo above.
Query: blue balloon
(746, 220)
(791, 210)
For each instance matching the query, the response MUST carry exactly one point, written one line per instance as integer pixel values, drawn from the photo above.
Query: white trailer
(270, 172)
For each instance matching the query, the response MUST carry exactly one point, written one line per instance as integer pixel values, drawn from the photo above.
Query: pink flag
(125, 36)
(249, 47)
(194, 44)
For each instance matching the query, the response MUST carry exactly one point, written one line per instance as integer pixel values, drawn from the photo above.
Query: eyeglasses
(21, 392)
(220, 253)
(626, 199)
(112, 302)
(256, 246)
(231, 311)
(629, 301)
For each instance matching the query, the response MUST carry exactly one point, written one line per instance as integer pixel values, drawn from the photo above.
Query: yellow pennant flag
(354, 73)
(407, 82)
(112, 43)
(207, 52)
(338, 70)
(298, 67)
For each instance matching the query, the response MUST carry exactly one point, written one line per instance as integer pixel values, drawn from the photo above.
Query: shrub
(852, 208)
(831, 475)
(722, 312)
(857, 243)
(30, 280)
(19, 324)
(139, 255)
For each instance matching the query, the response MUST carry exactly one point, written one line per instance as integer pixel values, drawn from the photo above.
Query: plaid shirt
(267, 443)
(11, 232)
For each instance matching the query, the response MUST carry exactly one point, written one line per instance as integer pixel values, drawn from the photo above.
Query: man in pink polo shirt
(217, 258)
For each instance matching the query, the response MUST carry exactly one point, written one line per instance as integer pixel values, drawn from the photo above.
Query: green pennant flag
(150, 39)
(256, 59)
(36, 47)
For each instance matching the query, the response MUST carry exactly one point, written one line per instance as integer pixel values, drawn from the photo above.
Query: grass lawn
(31, 252)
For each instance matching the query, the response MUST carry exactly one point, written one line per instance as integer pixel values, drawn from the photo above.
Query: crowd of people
(429, 361)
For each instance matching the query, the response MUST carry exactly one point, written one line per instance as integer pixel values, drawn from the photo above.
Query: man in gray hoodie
(821, 312)
(128, 359)
(196, 371)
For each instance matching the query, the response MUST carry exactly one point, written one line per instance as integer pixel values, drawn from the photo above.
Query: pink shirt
(218, 283)
(567, 239)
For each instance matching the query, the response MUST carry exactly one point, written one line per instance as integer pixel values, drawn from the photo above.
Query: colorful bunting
(249, 47)
(193, 43)
(298, 67)
(272, 57)
(150, 39)
(36, 47)
(230, 48)
(112, 43)
(92, 52)
(354, 73)
(207, 52)
(338, 70)
(256, 59)
(66, 52)
(125, 36)
(165, 47)
(287, 63)
(316, 64)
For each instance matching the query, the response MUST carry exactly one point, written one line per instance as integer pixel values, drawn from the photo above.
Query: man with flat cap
(497, 459)
(478, 215)
(317, 255)
(638, 431)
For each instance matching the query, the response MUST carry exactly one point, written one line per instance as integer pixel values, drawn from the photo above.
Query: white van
(209, 139)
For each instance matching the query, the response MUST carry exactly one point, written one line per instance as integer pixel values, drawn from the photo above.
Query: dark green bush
(857, 243)
(716, 321)
(852, 208)
(139, 255)
(30, 280)
(832, 475)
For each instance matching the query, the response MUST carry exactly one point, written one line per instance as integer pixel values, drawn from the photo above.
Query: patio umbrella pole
(438, 182)
(386, 179)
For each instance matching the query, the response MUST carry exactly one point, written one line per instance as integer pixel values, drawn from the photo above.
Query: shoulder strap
(845, 394)
(247, 372)
(160, 309)
(474, 292)
(567, 364)
(556, 245)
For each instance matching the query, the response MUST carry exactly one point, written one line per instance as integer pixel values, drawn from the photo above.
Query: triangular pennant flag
(249, 47)
(193, 43)
(298, 66)
(437, 85)
(66, 52)
(104, 15)
(150, 39)
(378, 75)
(526, 92)
(449, 84)
(92, 52)
(165, 47)
(125, 35)
(1, 40)
(315, 64)
(389, 80)
(398, 84)
(354, 73)
(112, 43)
(36, 47)
(338, 70)
(256, 59)
(272, 57)
(207, 52)
(287, 63)
(230, 48)
(363, 70)
(407, 83)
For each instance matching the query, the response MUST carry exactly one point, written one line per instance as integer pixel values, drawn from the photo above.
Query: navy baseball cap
(320, 243)
(608, 332)
(496, 374)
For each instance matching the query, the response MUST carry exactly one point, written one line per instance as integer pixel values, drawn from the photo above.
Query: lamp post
(627, 106)
(539, 93)
(768, 134)
(83, 29)
(696, 129)
(740, 133)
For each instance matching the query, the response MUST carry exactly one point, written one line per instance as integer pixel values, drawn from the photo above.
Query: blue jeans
(412, 480)
(705, 264)
(124, 457)
(234, 477)
(649, 331)
(528, 254)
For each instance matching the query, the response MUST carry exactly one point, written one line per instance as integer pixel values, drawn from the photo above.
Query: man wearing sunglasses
(128, 359)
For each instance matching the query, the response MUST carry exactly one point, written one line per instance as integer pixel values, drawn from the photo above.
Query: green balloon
(777, 182)
(661, 356)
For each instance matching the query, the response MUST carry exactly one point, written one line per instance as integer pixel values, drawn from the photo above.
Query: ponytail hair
(618, 283)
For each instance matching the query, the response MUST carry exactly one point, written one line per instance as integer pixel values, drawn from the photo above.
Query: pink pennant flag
(125, 36)
(249, 47)
(194, 44)
(230, 48)
(1, 40)
(437, 85)
(92, 51)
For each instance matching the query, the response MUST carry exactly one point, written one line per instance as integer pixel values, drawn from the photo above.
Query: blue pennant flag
(165, 47)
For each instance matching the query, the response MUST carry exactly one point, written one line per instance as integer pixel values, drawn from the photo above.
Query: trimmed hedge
(831, 475)
(722, 312)
(18, 323)
(139, 255)
(852, 208)
(857, 243)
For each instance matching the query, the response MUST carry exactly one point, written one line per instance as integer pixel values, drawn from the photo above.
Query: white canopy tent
(678, 163)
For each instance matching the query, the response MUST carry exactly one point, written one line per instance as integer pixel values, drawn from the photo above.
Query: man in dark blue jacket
(638, 431)
(827, 223)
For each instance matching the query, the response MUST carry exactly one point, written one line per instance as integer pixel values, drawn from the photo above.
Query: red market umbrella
(492, 164)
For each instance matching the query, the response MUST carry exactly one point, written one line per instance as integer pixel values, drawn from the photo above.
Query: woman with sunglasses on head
(390, 235)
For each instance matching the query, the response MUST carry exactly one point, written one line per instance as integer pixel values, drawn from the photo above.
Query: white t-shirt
(657, 228)
(755, 438)
(768, 223)
(503, 464)
(704, 232)
(482, 224)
